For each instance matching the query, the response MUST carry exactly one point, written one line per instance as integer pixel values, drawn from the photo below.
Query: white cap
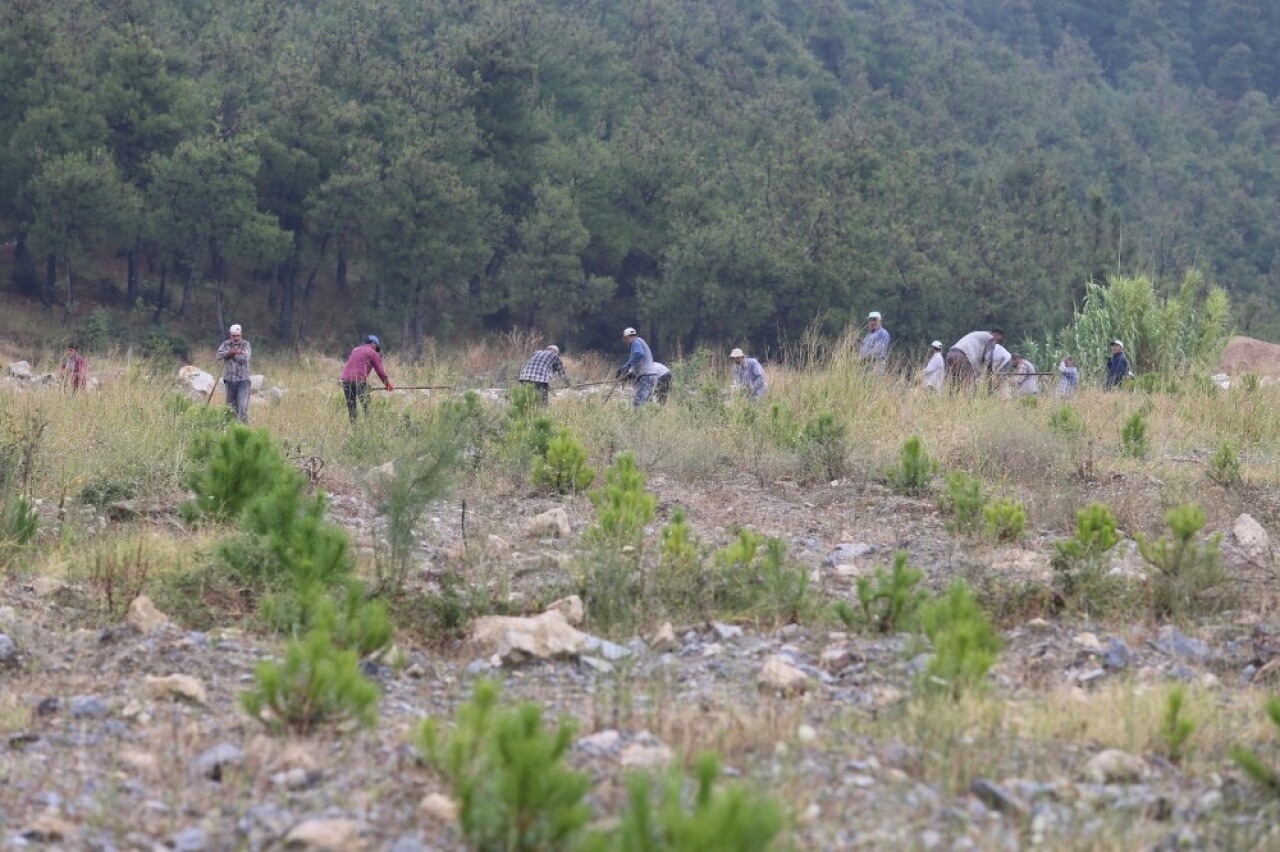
(873, 315)
(628, 331)
(1117, 343)
(737, 353)
(554, 348)
(937, 344)
(235, 329)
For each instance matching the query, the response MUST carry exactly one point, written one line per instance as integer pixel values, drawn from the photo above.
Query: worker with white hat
(936, 370)
(640, 365)
(234, 353)
(875, 346)
(1117, 366)
(748, 375)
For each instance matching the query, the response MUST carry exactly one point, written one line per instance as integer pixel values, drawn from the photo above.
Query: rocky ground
(130, 736)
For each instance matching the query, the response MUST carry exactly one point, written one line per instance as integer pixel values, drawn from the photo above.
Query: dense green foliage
(717, 171)
(965, 643)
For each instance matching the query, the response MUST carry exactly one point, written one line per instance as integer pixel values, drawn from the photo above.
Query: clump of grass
(317, 683)
(1247, 759)
(1079, 562)
(964, 501)
(1175, 726)
(915, 469)
(1224, 466)
(1134, 441)
(965, 644)
(1185, 569)
(1005, 520)
(1066, 422)
(824, 447)
(887, 601)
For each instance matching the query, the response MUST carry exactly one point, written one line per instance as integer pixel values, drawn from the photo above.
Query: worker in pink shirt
(364, 359)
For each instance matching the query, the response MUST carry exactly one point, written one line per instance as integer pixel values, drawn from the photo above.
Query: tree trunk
(306, 303)
(340, 275)
(131, 277)
(217, 301)
(288, 287)
(50, 278)
(164, 274)
(186, 290)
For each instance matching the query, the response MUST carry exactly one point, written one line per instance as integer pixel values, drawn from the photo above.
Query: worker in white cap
(640, 365)
(936, 370)
(1117, 366)
(875, 346)
(748, 375)
(234, 353)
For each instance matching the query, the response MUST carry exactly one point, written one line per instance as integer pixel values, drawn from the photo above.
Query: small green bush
(1066, 422)
(1184, 569)
(317, 683)
(964, 501)
(525, 401)
(680, 550)
(623, 506)
(104, 491)
(887, 602)
(1224, 466)
(1250, 382)
(1004, 520)
(508, 775)
(1133, 437)
(731, 819)
(1079, 562)
(234, 468)
(563, 468)
(1175, 728)
(915, 469)
(19, 523)
(1248, 760)
(965, 644)
(823, 447)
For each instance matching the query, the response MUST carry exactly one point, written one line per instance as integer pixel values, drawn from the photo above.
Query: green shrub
(525, 401)
(317, 683)
(1249, 761)
(19, 523)
(1079, 562)
(823, 447)
(508, 775)
(298, 542)
(1184, 569)
(887, 602)
(351, 622)
(1067, 422)
(1175, 728)
(97, 331)
(1133, 437)
(612, 587)
(964, 642)
(680, 550)
(233, 469)
(563, 468)
(1249, 382)
(104, 491)
(915, 469)
(623, 506)
(964, 501)
(1224, 466)
(1005, 520)
(731, 819)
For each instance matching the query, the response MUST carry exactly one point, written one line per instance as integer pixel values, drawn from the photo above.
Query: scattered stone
(497, 545)
(295, 779)
(1117, 655)
(256, 381)
(89, 707)
(193, 839)
(646, 756)
(135, 510)
(553, 523)
(1173, 642)
(196, 380)
(835, 658)
(611, 651)
(144, 617)
(20, 370)
(1088, 642)
(48, 706)
(601, 742)
(338, 835)
(726, 631)
(596, 664)
(1268, 673)
(1115, 767)
(806, 734)
(846, 552)
(514, 640)
(49, 827)
(212, 762)
(996, 797)
(439, 807)
(178, 687)
(139, 760)
(8, 652)
(1252, 539)
(572, 608)
(665, 639)
(778, 675)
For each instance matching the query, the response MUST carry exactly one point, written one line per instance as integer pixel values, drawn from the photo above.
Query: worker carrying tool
(365, 358)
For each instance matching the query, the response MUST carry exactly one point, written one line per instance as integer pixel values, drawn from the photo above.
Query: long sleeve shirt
(237, 365)
(1026, 382)
(977, 347)
(1117, 369)
(640, 361)
(363, 359)
(542, 366)
(1068, 378)
(875, 346)
(750, 375)
(999, 358)
(934, 371)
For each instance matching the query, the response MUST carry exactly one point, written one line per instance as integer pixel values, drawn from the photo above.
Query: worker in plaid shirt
(235, 353)
(539, 369)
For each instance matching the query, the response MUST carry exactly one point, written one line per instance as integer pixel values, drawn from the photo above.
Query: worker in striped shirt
(540, 368)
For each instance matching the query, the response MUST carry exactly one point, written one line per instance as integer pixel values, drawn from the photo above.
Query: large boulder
(1252, 539)
(20, 370)
(514, 640)
(553, 523)
(196, 380)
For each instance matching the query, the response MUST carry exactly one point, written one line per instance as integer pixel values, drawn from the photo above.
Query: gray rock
(1117, 655)
(1175, 643)
(8, 652)
(845, 552)
(604, 648)
(726, 631)
(996, 797)
(193, 839)
(89, 707)
(408, 843)
(212, 761)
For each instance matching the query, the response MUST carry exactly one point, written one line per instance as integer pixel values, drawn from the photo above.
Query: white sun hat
(873, 315)
(937, 344)
(235, 329)
(628, 331)
(737, 353)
